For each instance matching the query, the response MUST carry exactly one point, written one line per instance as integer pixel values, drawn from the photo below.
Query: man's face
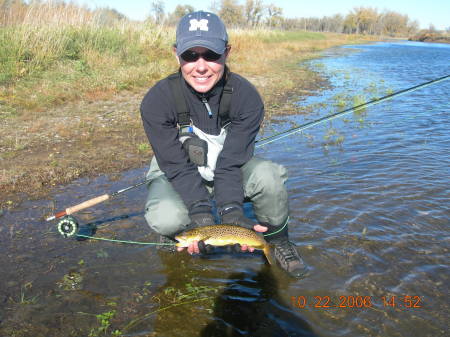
(202, 75)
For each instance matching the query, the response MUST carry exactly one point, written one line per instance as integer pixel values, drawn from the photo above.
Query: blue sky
(436, 12)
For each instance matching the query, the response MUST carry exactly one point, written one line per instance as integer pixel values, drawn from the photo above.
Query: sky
(436, 12)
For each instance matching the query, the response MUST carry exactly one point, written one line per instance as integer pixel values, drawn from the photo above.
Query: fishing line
(67, 227)
(125, 241)
(155, 243)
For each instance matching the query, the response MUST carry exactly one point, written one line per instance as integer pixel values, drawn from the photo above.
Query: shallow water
(370, 212)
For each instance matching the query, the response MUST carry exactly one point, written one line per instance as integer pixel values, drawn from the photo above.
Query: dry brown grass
(80, 116)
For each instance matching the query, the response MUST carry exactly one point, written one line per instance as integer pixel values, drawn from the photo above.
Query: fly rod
(283, 134)
(92, 202)
(261, 142)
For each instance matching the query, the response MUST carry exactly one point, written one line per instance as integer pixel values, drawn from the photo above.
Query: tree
(335, 23)
(394, 23)
(182, 10)
(157, 11)
(350, 24)
(214, 7)
(108, 16)
(232, 13)
(274, 15)
(254, 11)
(413, 27)
(366, 19)
(432, 28)
(178, 13)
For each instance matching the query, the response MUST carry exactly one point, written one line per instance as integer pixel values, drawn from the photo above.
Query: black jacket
(159, 117)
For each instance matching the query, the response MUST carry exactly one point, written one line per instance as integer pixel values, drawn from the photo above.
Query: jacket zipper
(208, 108)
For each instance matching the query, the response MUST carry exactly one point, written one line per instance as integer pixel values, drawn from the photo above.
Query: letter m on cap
(195, 24)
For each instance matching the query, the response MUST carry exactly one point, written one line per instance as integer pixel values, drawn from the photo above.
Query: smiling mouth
(201, 79)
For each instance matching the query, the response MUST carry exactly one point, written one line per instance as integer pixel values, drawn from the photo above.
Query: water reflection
(251, 305)
(199, 299)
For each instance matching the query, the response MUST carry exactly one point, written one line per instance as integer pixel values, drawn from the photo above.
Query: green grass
(24, 299)
(41, 66)
(104, 319)
(27, 49)
(290, 36)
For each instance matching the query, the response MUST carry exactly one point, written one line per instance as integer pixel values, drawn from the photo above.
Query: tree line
(256, 13)
(248, 14)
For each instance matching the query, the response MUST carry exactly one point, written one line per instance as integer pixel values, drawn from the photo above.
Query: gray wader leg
(263, 182)
(264, 185)
(165, 211)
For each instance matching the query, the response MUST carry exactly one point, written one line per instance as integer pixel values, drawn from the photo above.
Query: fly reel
(67, 226)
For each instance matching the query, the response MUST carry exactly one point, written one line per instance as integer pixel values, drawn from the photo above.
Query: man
(202, 123)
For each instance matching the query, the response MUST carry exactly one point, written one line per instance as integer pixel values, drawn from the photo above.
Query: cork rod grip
(86, 204)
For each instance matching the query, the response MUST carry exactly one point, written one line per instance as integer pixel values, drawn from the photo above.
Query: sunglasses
(193, 56)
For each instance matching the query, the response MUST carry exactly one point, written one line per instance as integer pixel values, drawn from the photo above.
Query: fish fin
(268, 253)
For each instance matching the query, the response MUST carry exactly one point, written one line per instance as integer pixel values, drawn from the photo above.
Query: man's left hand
(233, 214)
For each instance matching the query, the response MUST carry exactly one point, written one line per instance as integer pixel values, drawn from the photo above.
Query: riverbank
(431, 37)
(98, 131)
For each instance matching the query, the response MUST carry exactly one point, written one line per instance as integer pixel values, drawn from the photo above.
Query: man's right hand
(201, 219)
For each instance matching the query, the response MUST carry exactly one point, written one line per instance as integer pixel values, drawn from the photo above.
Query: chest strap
(225, 103)
(184, 117)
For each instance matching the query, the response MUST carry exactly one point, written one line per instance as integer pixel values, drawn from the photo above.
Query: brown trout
(223, 235)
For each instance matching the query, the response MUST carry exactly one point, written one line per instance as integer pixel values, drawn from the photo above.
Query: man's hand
(200, 214)
(233, 214)
(197, 247)
(256, 228)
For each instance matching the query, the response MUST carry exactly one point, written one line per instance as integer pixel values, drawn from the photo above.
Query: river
(370, 214)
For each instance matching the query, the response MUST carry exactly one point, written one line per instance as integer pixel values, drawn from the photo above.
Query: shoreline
(90, 137)
(431, 37)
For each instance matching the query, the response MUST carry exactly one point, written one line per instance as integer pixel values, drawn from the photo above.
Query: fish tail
(268, 254)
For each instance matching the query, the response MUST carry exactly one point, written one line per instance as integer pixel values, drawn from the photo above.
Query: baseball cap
(201, 29)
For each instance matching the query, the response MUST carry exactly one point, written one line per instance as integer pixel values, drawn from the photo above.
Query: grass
(46, 66)
(173, 297)
(104, 319)
(71, 86)
(290, 36)
(54, 52)
(24, 299)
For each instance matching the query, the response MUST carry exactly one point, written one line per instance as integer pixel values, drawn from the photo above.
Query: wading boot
(285, 252)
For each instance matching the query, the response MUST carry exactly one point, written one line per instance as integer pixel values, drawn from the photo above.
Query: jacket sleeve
(246, 113)
(160, 124)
